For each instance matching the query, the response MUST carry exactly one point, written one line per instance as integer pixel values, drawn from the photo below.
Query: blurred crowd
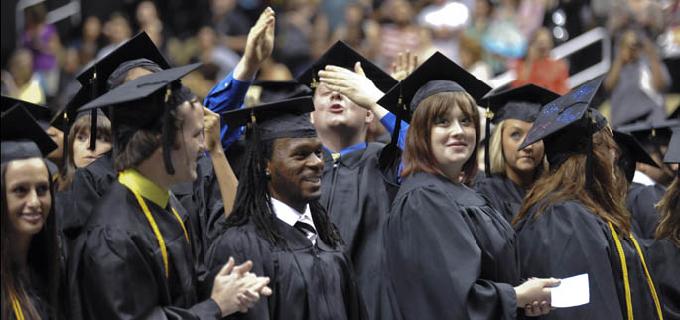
(487, 37)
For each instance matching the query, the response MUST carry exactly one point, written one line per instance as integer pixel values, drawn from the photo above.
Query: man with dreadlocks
(278, 222)
(134, 258)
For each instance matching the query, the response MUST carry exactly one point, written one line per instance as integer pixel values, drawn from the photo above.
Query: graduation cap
(146, 103)
(631, 153)
(269, 91)
(282, 119)
(22, 137)
(521, 103)
(95, 76)
(566, 125)
(342, 55)
(426, 80)
(652, 134)
(41, 114)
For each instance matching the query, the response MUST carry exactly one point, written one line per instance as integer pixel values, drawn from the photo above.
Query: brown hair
(82, 125)
(669, 208)
(605, 197)
(418, 156)
(43, 258)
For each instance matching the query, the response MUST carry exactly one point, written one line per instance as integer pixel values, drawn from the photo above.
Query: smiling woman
(30, 268)
(448, 255)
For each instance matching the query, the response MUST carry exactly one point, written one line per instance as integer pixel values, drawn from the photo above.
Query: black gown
(664, 260)
(203, 201)
(448, 255)
(116, 269)
(567, 240)
(201, 198)
(308, 281)
(357, 195)
(502, 194)
(640, 202)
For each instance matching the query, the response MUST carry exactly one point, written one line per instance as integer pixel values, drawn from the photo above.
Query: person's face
(333, 110)
(82, 155)
(523, 161)
(453, 139)
(295, 170)
(543, 42)
(92, 28)
(190, 141)
(58, 138)
(28, 195)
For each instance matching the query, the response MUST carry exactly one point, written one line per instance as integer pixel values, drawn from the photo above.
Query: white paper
(572, 291)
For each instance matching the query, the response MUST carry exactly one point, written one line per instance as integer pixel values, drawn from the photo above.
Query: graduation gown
(357, 195)
(448, 255)
(567, 240)
(308, 281)
(664, 259)
(37, 291)
(640, 202)
(501, 194)
(89, 186)
(116, 269)
(203, 201)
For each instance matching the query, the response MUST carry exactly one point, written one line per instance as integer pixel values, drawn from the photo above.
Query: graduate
(132, 59)
(79, 154)
(447, 254)
(359, 178)
(511, 172)
(649, 181)
(631, 153)
(573, 220)
(279, 224)
(30, 251)
(664, 252)
(134, 257)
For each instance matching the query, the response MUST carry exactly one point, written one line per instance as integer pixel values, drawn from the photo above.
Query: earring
(268, 174)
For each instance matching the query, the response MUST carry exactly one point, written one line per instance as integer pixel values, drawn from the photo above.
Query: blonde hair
(497, 157)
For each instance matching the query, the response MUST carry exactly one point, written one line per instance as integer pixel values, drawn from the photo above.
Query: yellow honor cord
(156, 231)
(16, 306)
(154, 225)
(650, 283)
(624, 270)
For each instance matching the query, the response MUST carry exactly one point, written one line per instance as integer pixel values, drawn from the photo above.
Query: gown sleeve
(567, 240)
(118, 282)
(433, 263)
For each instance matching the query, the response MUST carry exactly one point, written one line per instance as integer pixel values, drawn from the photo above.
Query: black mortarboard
(652, 134)
(143, 104)
(270, 91)
(342, 55)
(673, 152)
(521, 103)
(95, 76)
(282, 119)
(631, 152)
(41, 114)
(139, 47)
(566, 125)
(22, 137)
(426, 81)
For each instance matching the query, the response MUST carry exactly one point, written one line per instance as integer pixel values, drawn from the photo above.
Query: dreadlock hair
(253, 200)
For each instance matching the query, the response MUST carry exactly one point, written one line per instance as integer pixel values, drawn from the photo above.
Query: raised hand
(259, 46)
(403, 65)
(354, 85)
(211, 129)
